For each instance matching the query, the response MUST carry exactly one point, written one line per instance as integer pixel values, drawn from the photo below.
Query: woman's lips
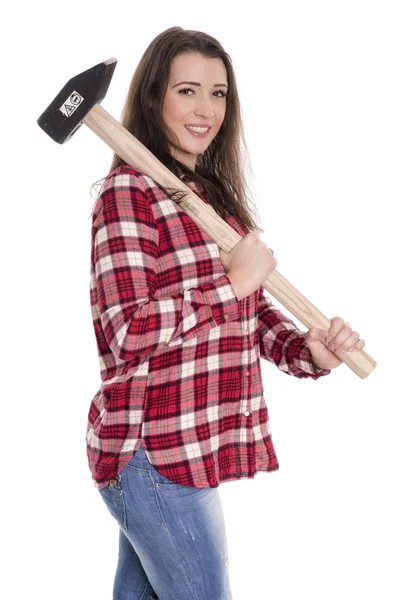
(197, 134)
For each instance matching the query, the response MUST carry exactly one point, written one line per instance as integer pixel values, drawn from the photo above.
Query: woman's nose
(205, 108)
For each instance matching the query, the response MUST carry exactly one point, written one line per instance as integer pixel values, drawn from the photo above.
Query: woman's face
(201, 102)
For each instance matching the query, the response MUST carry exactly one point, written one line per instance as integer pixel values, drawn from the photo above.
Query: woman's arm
(125, 250)
(282, 343)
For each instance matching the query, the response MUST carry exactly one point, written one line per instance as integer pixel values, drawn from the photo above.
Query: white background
(319, 90)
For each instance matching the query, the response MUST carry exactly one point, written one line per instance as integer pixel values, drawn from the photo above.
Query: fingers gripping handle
(359, 362)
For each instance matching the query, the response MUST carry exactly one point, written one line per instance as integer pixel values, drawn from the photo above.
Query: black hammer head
(64, 115)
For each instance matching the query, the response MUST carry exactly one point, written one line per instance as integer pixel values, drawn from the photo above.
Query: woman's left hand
(340, 338)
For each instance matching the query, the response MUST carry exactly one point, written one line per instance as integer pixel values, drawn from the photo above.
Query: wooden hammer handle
(139, 157)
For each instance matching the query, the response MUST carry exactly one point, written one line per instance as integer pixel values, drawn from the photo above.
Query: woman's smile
(201, 132)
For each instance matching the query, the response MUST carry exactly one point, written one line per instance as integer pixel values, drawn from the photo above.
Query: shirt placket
(245, 407)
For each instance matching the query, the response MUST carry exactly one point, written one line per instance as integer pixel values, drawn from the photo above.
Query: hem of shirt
(261, 468)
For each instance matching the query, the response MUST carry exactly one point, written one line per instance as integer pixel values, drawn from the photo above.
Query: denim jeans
(172, 539)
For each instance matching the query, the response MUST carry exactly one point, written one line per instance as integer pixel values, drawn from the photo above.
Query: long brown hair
(220, 169)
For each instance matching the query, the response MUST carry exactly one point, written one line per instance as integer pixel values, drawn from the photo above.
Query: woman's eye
(189, 90)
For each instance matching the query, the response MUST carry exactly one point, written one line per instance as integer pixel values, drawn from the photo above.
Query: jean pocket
(113, 496)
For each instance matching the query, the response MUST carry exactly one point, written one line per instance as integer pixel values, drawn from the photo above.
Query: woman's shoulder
(125, 174)
(123, 177)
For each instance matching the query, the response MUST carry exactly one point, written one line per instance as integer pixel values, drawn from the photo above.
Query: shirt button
(247, 413)
(247, 373)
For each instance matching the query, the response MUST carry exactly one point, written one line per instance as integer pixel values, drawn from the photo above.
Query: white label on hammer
(71, 104)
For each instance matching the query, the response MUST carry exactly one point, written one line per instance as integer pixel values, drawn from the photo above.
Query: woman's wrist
(237, 287)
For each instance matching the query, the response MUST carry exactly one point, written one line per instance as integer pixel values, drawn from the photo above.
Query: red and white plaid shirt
(179, 353)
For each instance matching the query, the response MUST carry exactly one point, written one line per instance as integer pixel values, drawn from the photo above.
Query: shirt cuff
(221, 296)
(303, 360)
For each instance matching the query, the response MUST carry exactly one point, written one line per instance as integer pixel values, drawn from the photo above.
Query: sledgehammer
(79, 102)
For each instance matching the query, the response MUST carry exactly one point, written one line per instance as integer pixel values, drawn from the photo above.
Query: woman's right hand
(248, 264)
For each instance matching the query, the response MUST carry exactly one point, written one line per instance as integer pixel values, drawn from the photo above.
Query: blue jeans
(172, 540)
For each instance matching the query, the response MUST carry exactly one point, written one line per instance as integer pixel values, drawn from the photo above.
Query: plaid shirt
(179, 353)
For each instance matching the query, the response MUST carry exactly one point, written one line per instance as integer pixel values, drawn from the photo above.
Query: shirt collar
(187, 180)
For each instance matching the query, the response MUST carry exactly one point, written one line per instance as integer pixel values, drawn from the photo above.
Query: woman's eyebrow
(198, 84)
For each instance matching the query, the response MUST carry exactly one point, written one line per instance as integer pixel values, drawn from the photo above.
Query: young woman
(180, 328)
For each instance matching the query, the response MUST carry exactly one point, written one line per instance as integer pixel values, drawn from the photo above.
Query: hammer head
(65, 114)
